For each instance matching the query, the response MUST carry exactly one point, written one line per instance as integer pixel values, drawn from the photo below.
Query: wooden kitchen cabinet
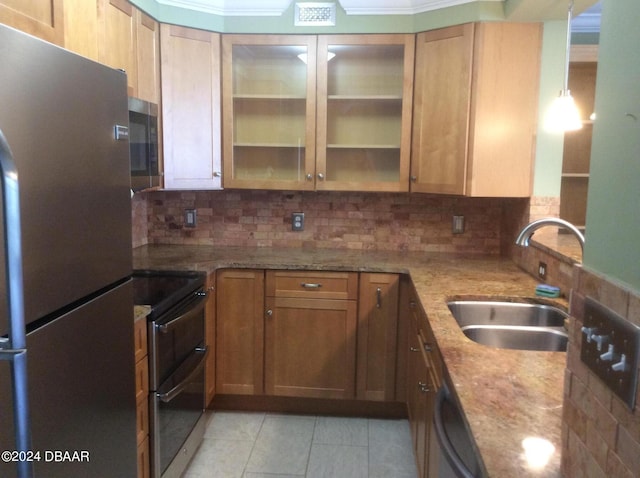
(147, 58)
(329, 113)
(210, 338)
(475, 109)
(117, 39)
(142, 394)
(364, 112)
(240, 332)
(191, 108)
(310, 334)
(41, 18)
(269, 111)
(377, 336)
(424, 378)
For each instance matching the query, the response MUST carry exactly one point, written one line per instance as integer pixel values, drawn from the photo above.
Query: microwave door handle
(169, 395)
(14, 350)
(194, 309)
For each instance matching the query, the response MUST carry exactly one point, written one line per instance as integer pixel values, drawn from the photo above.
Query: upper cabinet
(475, 109)
(40, 18)
(269, 111)
(364, 112)
(117, 39)
(328, 112)
(119, 35)
(190, 107)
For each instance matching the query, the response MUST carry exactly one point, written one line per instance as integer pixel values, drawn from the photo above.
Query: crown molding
(399, 7)
(277, 7)
(255, 8)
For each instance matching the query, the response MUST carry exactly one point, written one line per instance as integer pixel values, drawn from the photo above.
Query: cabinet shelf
(268, 145)
(268, 97)
(575, 175)
(365, 97)
(363, 146)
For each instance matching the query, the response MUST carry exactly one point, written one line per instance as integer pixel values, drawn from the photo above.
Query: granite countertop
(506, 395)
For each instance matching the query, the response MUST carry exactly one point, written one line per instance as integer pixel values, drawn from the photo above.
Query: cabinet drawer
(140, 338)
(142, 420)
(318, 285)
(142, 379)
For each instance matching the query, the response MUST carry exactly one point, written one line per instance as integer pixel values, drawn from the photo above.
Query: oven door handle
(169, 395)
(196, 307)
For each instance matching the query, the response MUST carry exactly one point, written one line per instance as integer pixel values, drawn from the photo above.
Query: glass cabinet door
(269, 111)
(364, 112)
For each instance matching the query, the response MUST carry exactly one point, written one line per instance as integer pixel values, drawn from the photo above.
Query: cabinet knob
(217, 174)
(309, 177)
(413, 178)
(269, 313)
(413, 349)
(320, 176)
(423, 387)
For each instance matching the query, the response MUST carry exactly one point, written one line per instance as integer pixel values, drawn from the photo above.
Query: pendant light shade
(563, 115)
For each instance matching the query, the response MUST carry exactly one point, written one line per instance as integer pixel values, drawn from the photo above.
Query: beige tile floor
(265, 445)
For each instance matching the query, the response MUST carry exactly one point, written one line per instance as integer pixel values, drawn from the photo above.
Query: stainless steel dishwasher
(458, 458)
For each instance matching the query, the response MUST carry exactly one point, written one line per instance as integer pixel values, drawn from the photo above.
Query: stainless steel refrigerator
(67, 380)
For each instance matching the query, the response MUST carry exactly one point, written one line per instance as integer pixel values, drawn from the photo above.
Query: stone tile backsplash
(373, 221)
(601, 436)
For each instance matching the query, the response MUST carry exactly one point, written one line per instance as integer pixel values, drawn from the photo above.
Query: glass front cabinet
(317, 113)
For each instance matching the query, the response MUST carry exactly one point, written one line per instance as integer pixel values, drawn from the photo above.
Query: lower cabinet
(142, 395)
(377, 336)
(240, 332)
(210, 339)
(424, 378)
(310, 334)
(313, 334)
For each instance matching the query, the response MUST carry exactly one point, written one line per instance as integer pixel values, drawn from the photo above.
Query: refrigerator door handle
(15, 350)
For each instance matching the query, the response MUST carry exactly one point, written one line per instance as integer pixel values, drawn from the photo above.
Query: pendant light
(563, 115)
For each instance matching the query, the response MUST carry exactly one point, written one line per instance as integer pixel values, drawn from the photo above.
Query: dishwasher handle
(457, 465)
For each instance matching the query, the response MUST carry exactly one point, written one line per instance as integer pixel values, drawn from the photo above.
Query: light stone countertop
(506, 395)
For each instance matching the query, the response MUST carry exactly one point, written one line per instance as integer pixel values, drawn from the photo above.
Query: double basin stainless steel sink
(512, 325)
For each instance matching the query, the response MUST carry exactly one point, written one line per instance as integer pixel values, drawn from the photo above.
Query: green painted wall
(549, 146)
(613, 207)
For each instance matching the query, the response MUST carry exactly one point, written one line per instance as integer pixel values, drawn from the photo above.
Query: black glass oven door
(177, 407)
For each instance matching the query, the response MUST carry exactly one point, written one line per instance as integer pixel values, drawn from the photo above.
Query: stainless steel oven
(177, 353)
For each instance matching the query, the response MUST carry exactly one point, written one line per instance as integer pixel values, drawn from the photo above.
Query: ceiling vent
(315, 14)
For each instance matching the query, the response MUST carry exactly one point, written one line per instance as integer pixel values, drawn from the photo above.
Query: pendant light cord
(568, 49)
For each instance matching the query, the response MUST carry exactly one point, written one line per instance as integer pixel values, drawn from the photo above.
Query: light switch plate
(610, 349)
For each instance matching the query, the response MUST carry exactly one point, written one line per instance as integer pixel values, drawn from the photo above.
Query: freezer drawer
(81, 391)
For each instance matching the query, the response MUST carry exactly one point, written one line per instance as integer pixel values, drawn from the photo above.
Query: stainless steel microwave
(143, 144)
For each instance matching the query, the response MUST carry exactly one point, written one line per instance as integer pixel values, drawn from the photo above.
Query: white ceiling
(517, 10)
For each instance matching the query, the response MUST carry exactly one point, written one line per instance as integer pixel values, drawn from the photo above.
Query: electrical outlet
(542, 270)
(457, 226)
(297, 221)
(190, 218)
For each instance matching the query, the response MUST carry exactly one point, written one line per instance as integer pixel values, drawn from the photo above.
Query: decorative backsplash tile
(601, 436)
(375, 221)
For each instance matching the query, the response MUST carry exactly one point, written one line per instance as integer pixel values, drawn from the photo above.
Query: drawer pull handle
(378, 298)
(413, 349)
(310, 285)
